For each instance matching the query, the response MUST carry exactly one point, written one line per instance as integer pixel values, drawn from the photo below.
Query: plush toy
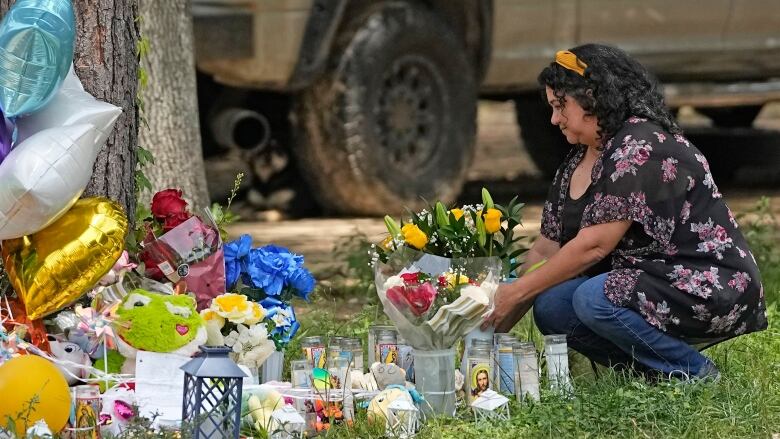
(158, 323)
(65, 350)
(377, 408)
(115, 362)
(117, 411)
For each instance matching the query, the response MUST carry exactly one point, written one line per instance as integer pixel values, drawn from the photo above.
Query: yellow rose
(234, 307)
(210, 315)
(255, 314)
(493, 220)
(452, 278)
(457, 213)
(414, 236)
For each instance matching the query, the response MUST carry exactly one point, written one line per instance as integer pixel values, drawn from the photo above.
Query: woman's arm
(543, 248)
(591, 245)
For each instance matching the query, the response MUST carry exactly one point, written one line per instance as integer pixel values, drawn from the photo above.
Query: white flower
(281, 318)
(251, 345)
(393, 281)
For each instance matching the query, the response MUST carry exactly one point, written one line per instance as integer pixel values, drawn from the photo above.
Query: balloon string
(99, 374)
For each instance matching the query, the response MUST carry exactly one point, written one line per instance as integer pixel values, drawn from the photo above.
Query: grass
(744, 403)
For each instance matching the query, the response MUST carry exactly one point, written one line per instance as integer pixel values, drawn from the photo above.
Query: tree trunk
(105, 60)
(171, 102)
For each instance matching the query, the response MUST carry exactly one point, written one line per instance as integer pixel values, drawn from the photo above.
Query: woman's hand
(510, 306)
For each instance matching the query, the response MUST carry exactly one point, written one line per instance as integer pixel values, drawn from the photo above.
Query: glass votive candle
(526, 371)
(556, 352)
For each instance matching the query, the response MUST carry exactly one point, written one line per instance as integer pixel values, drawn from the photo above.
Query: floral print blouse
(683, 264)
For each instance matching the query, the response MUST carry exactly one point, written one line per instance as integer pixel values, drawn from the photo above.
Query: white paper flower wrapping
(442, 328)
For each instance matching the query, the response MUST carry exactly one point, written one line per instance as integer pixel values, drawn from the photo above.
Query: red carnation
(167, 203)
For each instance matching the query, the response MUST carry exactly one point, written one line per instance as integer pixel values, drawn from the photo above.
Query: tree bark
(171, 102)
(105, 60)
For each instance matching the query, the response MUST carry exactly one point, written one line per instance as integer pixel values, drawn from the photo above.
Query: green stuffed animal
(158, 323)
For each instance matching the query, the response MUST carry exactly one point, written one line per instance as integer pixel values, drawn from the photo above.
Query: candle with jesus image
(479, 371)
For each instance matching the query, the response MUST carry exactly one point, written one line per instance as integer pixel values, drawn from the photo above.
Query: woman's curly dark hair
(613, 88)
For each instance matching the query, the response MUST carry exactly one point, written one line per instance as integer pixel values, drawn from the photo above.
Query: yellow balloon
(55, 266)
(27, 377)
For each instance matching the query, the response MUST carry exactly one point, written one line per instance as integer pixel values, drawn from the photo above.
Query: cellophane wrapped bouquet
(437, 273)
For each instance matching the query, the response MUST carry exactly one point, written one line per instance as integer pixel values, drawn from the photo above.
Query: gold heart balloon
(53, 267)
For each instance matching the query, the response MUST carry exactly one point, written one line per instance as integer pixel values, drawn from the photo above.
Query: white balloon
(71, 105)
(43, 176)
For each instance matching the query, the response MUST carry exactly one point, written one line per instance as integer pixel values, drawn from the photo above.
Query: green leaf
(481, 234)
(441, 215)
(487, 200)
(144, 156)
(535, 266)
(392, 227)
(141, 182)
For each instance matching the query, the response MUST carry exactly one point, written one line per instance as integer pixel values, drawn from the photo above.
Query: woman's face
(578, 126)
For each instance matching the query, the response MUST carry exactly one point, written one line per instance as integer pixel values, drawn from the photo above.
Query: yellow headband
(571, 62)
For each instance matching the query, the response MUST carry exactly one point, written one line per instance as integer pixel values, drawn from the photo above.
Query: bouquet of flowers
(235, 321)
(271, 276)
(182, 248)
(437, 274)
(481, 230)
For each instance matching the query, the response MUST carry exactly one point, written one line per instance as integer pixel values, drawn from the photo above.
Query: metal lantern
(212, 395)
(490, 406)
(402, 418)
(287, 423)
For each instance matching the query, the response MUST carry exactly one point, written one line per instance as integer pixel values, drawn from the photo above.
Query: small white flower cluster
(251, 346)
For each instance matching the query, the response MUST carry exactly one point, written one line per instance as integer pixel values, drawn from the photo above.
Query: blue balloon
(36, 50)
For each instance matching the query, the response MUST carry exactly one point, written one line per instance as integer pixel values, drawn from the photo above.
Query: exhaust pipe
(241, 129)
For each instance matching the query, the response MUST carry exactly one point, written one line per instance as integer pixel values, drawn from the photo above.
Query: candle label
(505, 371)
(315, 355)
(478, 378)
(406, 361)
(387, 353)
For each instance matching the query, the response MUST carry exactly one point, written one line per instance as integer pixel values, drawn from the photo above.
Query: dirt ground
(502, 166)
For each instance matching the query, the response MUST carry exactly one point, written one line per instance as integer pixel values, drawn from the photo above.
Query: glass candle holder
(504, 365)
(314, 350)
(526, 371)
(386, 347)
(480, 374)
(372, 332)
(556, 352)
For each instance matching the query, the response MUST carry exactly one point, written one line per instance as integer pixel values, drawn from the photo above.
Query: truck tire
(543, 141)
(393, 121)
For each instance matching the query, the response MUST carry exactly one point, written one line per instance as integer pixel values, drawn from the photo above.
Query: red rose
(174, 220)
(397, 297)
(168, 202)
(417, 299)
(420, 298)
(411, 278)
(150, 266)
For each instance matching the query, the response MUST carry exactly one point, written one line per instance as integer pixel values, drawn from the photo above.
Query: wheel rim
(409, 112)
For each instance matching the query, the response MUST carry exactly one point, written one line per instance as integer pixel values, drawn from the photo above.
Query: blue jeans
(609, 334)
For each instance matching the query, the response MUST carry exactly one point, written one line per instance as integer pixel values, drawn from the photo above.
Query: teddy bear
(158, 323)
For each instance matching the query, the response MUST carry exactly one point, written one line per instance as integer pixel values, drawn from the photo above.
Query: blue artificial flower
(303, 283)
(235, 251)
(283, 317)
(284, 251)
(268, 270)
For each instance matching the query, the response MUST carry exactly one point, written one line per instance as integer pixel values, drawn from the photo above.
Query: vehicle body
(381, 89)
